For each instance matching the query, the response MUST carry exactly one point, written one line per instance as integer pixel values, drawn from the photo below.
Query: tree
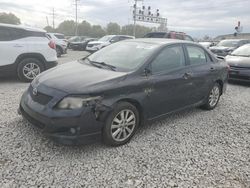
(67, 28)
(97, 31)
(140, 30)
(9, 18)
(113, 29)
(49, 29)
(84, 28)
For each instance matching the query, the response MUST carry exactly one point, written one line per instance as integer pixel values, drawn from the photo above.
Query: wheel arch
(137, 105)
(220, 82)
(30, 55)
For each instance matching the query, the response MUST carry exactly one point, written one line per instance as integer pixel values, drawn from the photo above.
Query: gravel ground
(193, 148)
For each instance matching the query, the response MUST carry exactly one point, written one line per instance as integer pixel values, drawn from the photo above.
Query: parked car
(170, 35)
(61, 43)
(81, 45)
(25, 52)
(225, 47)
(207, 44)
(105, 41)
(111, 92)
(75, 39)
(239, 62)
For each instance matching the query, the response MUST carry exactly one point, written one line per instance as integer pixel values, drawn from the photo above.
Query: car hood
(76, 77)
(238, 61)
(221, 48)
(99, 42)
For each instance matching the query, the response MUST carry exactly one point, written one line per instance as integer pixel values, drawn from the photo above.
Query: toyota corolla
(111, 92)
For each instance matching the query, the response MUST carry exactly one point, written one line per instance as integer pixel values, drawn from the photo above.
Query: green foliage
(67, 27)
(86, 29)
(113, 29)
(97, 31)
(49, 29)
(9, 18)
(140, 30)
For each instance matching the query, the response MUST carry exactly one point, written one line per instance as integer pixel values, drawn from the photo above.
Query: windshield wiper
(100, 64)
(104, 64)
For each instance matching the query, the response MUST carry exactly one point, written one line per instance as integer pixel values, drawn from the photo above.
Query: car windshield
(242, 51)
(228, 43)
(125, 56)
(106, 38)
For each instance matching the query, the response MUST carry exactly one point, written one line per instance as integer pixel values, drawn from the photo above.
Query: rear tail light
(52, 44)
(228, 67)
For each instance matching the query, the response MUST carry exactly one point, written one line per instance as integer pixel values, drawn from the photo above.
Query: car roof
(22, 27)
(161, 41)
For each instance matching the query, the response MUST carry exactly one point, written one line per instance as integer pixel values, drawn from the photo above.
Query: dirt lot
(193, 148)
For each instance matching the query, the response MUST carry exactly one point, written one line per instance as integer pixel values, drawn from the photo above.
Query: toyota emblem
(34, 91)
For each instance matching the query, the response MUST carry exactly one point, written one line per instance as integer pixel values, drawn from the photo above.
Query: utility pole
(47, 20)
(53, 18)
(76, 6)
(134, 14)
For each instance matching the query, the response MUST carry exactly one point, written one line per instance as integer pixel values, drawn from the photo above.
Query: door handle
(187, 75)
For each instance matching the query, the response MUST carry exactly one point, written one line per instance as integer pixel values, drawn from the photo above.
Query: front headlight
(72, 102)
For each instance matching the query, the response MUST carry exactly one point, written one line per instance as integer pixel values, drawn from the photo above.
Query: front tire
(29, 68)
(121, 124)
(213, 97)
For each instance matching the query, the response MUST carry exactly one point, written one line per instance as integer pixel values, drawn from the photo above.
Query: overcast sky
(195, 17)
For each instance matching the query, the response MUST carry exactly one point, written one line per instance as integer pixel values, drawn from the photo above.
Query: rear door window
(169, 59)
(5, 34)
(196, 55)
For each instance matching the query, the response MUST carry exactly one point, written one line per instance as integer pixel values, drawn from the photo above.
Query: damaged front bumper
(66, 127)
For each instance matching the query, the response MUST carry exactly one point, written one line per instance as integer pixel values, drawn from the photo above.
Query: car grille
(90, 45)
(39, 97)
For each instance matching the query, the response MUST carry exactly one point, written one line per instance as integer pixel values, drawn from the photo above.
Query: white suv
(61, 43)
(25, 52)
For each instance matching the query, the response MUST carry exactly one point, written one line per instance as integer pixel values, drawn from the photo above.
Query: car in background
(25, 52)
(207, 44)
(105, 41)
(75, 39)
(81, 45)
(239, 62)
(112, 91)
(61, 43)
(169, 35)
(225, 47)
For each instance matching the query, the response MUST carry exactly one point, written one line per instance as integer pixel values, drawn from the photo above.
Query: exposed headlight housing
(75, 102)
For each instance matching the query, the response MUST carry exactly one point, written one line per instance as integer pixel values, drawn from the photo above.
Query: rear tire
(213, 97)
(121, 124)
(29, 68)
(58, 51)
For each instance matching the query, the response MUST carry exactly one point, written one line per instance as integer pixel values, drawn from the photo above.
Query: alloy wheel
(123, 125)
(214, 96)
(31, 70)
